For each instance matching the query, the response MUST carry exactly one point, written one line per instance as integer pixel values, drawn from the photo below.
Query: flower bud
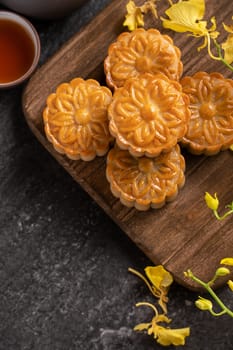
(188, 273)
(203, 304)
(222, 271)
(211, 202)
(227, 261)
(230, 284)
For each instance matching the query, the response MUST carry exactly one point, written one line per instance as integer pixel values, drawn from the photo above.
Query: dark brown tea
(16, 51)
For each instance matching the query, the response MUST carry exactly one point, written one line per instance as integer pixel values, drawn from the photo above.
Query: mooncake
(210, 128)
(148, 115)
(76, 119)
(144, 182)
(141, 51)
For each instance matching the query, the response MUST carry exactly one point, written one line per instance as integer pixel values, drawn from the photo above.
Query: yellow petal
(193, 9)
(212, 30)
(175, 337)
(162, 318)
(199, 7)
(227, 28)
(211, 202)
(142, 326)
(227, 261)
(158, 276)
(230, 284)
(227, 46)
(214, 24)
(185, 16)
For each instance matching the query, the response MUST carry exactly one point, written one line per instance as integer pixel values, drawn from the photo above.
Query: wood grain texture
(183, 234)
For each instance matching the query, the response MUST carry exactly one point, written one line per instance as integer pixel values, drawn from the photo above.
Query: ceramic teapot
(43, 9)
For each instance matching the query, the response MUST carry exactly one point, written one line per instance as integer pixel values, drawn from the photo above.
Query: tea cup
(20, 49)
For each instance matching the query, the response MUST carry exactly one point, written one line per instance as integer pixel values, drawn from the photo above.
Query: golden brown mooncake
(76, 120)
(145, 182)
(141, 51)
(210, 128)
(148, 115)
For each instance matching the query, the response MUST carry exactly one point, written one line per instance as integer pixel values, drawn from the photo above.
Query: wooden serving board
(183, 234)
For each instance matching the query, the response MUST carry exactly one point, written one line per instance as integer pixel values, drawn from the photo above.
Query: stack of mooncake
(148, 116)
(145, 112)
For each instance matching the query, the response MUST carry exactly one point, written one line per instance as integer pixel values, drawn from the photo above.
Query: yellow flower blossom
(160, 280)
(211, 202)
(227, 46)
(186, 16)
(134, 16)
(164, 336)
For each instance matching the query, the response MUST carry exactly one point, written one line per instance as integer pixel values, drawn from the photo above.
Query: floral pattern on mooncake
(76, 120)
(145, 182)
(148, 115)
(211, 103)
(141, 51)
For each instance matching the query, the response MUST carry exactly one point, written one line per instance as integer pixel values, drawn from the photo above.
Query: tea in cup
(19, 47)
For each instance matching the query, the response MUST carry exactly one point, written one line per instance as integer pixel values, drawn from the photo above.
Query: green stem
(221, 56)
(217, 313)
(212, 281)
(224, 215)
(212, 293)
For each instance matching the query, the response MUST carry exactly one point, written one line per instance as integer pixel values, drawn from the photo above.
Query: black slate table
(64, 277)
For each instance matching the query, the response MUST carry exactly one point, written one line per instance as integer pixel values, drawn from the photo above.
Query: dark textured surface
(63, 262)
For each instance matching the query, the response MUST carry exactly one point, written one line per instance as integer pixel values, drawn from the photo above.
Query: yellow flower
(161, 280)
(227, 261)
(227, 46)
(230, 284)
(186, 16)
(231, 147)
(134, 16)
(212, 202)
(164, 336)
(203, 304)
